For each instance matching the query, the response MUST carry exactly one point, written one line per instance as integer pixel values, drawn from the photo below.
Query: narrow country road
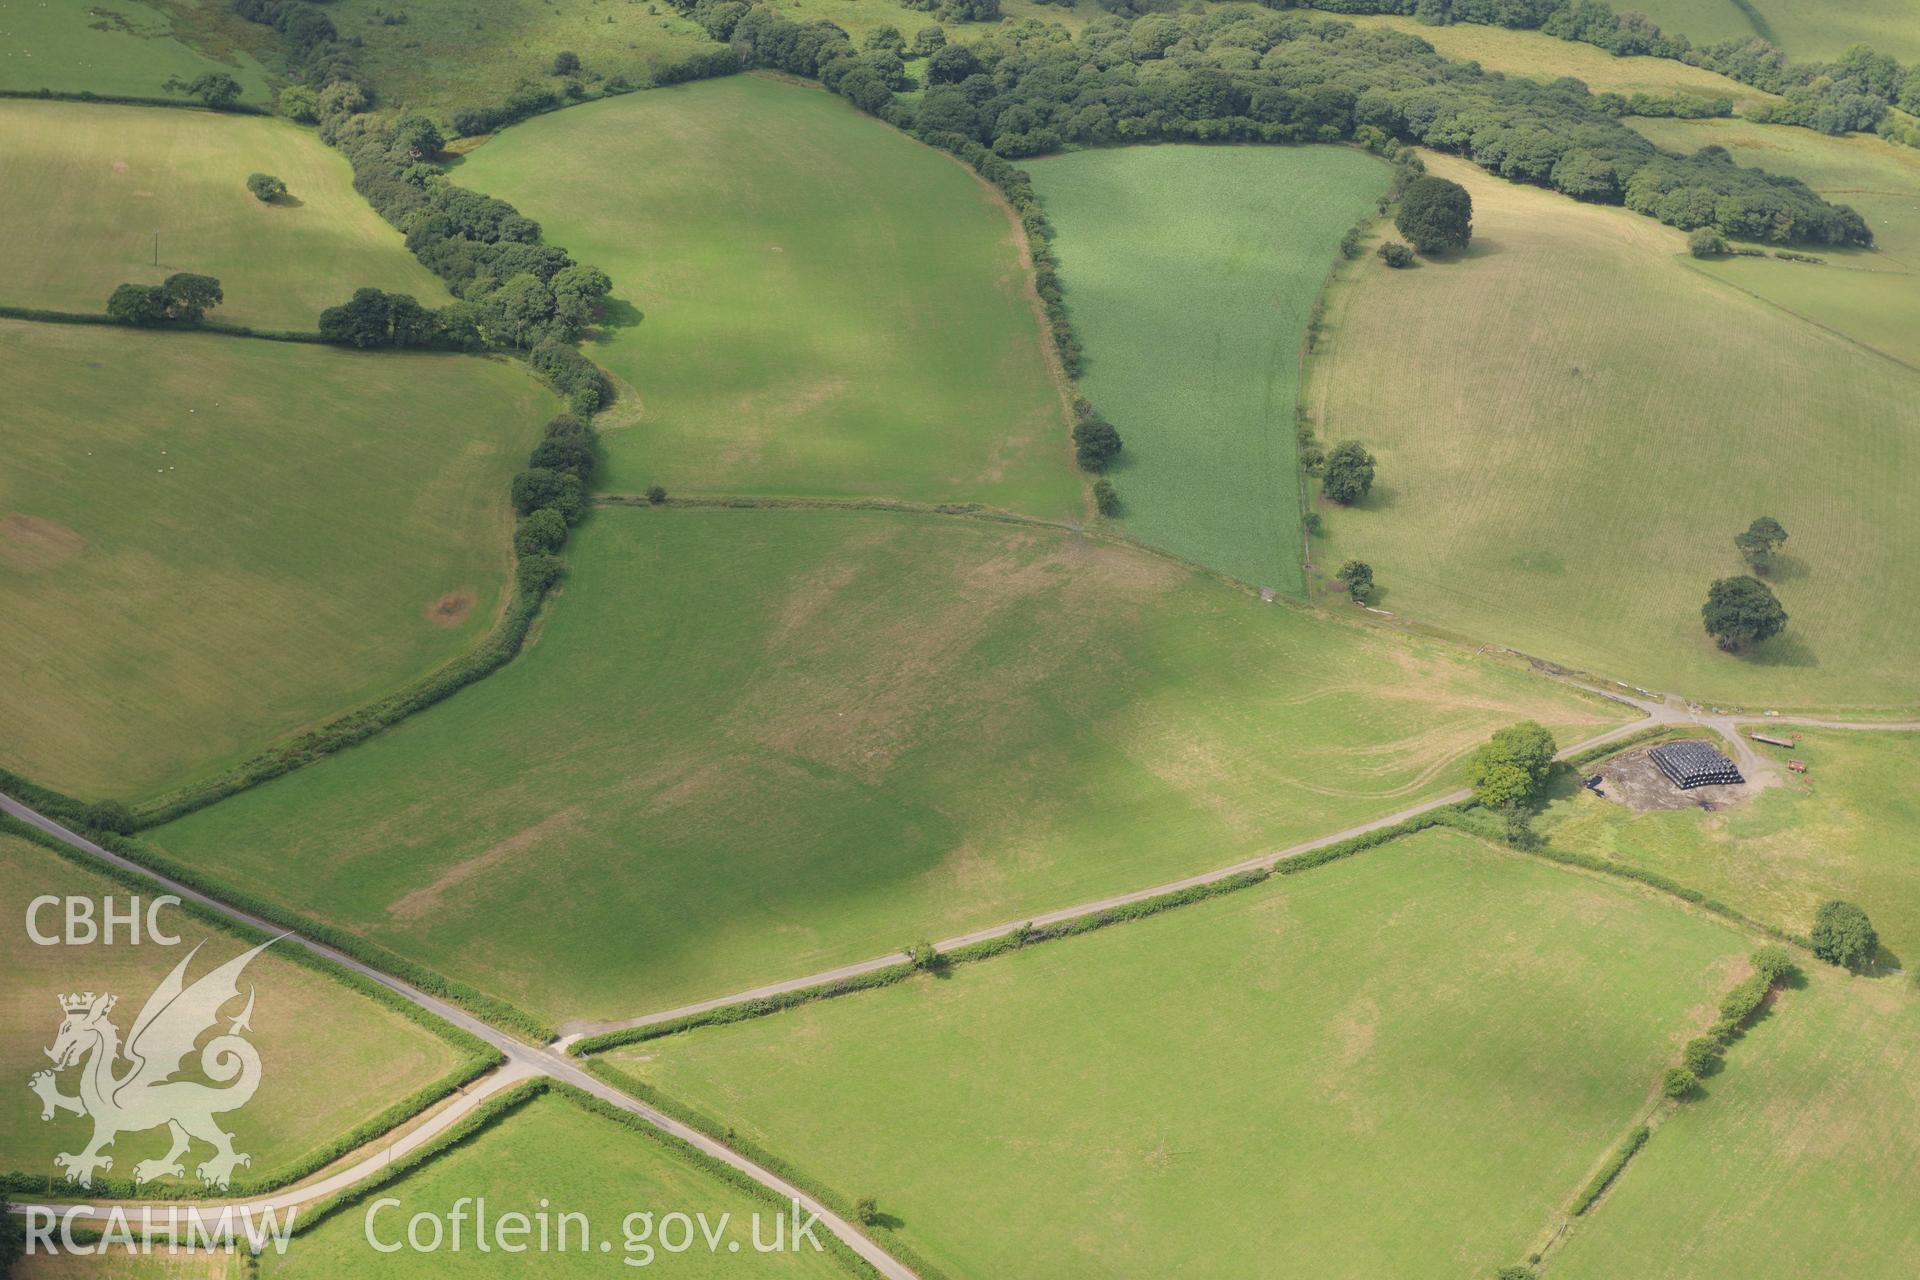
(523, 1061)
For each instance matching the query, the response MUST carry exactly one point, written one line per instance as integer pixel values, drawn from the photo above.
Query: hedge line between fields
(45, 315)
(87, 95)
(1611, 1169)
(477, 1057)
(494, 1110)
(483, 1006)
(494, 652)
(1013, 940)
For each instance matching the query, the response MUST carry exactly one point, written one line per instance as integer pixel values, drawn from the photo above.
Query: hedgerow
(1610, 1170)
(476, 1056)
(1241, 74)
(768, 1160)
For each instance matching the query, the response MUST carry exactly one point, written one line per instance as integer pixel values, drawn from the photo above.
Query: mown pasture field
(1823, 29)
(553, 1157)
(1542, 57)
(1871, 296)
(206, 542)
(1193, 336)
(1795, 1163)
(1393, 1065)
(129, 49)
(830, 308)
(1572, 425)
(1843, 830)
(89, 186)
(752, 744)
(330, 1058)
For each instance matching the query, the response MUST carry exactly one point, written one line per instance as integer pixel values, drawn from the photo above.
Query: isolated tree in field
(1347, 474)
(1760, 543)
(1742, 611)
(217, 89)
(656, 494)
(1396, 255)
(1095, 442)
(1843, 936)
(566, 62)
(1435, 215)
(1358, 577)
(265, 187)
(867, 1211)
(1705, 242)
(190, 296)
(928, 41)
(1106, 498)
(139, 304)
(1511, 767)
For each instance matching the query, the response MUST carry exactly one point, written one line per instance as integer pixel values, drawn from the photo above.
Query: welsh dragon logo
(143, 1094)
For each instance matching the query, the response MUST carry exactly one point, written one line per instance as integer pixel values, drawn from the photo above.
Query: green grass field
(330, 1058)
(1843, 830)
(122, 48)
(449, 54)
(830, 307)
(1798, 1162)
(206, 542)
(1392, 1066)
(1542, 57)
(554, 1157)
(1193, 339)
(751, 744)
(89, 186)
(1873, 296)
(1572, 425)
(1823, 29)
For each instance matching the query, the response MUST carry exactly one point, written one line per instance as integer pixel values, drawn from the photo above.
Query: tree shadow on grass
(617, 314)
(1787, 569)
(1781, 651)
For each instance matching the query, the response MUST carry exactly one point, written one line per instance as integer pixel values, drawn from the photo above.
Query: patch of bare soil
(28, 542)
(451, 609)
(1633, 779)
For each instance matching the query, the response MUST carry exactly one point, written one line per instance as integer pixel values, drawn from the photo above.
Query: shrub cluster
(183, 298)
(1701, 1056)
(513, 290)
